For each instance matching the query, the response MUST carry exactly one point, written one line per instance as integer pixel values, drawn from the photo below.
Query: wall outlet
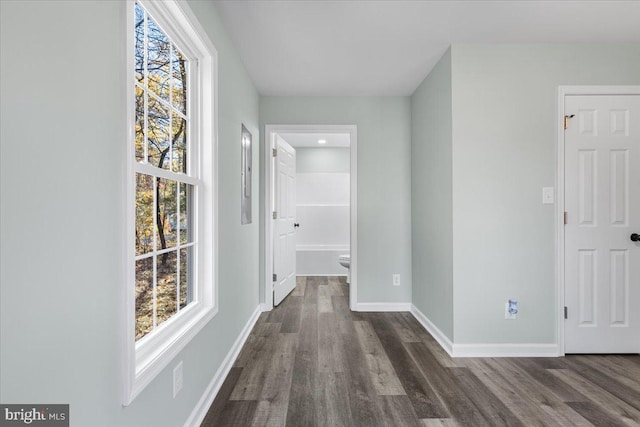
(396, 280)
(511, 309)
(547, 196)
(177, 379)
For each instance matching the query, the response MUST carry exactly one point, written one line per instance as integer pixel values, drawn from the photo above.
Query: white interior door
(284, 221)
(602, 200)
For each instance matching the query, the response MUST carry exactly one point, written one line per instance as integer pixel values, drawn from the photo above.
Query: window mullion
(164, 251)
(174, 248)
(148, 169)
(145, 71)
(155, 293)
(155, 256)
(178, 242)
(171, 107)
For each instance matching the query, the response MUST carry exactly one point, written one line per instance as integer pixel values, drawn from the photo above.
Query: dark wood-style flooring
(312, 362)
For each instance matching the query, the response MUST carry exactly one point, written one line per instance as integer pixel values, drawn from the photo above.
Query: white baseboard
(505, 350)
(383, 306)
(435, 332)
(484, 350)
(200, 411)
(264, 307)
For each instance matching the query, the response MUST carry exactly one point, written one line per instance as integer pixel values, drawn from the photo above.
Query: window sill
(154, 352)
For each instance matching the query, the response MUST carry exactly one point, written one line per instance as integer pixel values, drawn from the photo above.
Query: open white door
(602, 200)
(284, 244)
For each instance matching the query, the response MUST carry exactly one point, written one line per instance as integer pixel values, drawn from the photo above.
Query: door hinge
(275, 215)
(566, 218)
(275, 277)
(566, 312)
(566, 120)
(274, 152)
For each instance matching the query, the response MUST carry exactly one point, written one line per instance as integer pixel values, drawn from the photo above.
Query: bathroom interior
(322, 205)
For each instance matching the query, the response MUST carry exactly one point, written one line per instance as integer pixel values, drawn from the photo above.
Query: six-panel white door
(602, 200)
(285, 231)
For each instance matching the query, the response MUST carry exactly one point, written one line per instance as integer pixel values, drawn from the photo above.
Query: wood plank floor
(313, 362)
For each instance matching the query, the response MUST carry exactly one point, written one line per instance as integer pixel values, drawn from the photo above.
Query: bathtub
(322, 237)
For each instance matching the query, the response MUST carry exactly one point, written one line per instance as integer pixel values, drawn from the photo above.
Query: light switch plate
(547, 196)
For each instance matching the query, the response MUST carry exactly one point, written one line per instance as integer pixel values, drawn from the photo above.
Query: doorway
(317, 248)
(599, 215)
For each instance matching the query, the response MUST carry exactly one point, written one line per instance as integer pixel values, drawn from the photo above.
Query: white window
(171, 235)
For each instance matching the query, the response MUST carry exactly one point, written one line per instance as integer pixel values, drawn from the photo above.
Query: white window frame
(145, 359)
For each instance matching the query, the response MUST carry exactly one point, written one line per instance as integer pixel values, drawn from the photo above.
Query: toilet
(345, 261)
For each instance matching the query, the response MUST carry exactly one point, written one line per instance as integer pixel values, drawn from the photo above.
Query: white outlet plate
(508, 315)
(547, 196)
(396, 280)
(177, 379)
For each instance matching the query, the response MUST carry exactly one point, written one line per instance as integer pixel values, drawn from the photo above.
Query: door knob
(635, 237)
(296, 225)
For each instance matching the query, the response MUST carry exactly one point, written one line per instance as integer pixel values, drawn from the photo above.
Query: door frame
(564, 91)
(269, 134)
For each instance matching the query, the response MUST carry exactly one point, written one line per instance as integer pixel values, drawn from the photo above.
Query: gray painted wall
(431, 204)
(504, 152)
(62, 160)
(483, 146)
(384, 199)
(330, 160)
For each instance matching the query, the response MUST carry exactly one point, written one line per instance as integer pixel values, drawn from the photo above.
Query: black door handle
(635, 237)
(296, 225)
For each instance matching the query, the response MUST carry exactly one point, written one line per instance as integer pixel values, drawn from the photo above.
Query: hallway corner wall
(384, 199)
(431, 197)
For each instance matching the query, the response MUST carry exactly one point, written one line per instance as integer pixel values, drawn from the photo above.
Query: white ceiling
(310, 139)
(387, 47)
